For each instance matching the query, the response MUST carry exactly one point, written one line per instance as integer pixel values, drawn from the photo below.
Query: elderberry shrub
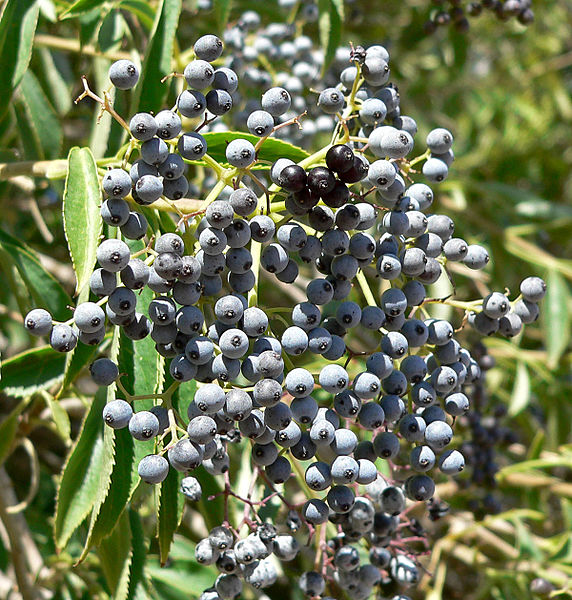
(353, 228)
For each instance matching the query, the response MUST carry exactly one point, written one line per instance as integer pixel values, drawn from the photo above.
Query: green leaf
(144, 375)
(137, 579)
(183, 396)
(179, 583)
(520, 396)
(83, 473)
(81, 212)
(211, 510)
(28, 135)
(115, 554)
(271, 150)
(57, 86)
(556, 317)
(43, 118)
(141, 9)
(106, 509)
(80, 7)
(9, 428)
(76, 360)
(31, 371)
(111, 31)
(43, 288)
(17, 28)
(79, 356)
(150, 93)
(330, 28)
(60, 417)
(222, 12)
(170, 513)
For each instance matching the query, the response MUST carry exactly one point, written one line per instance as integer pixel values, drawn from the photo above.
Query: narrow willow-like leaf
(42, 116)
(42, 287)
(76, 360)
(106, 511)
(138, 580)
(170, 513)
(81, 212)
(183, 397)
(144, 375)
(330, 28)
(556, 316)
(31, 371)
(175, 582)
(56, 87)
(222, 12)
(141, 9)
(17, 28)
(60, 417)
(271, 150)
(79, 356)
(80, 7)
(106, 514)
(520, 396)
(83, 473)
(212, 510)
(115, 554)
(9, 428)
(150, 93)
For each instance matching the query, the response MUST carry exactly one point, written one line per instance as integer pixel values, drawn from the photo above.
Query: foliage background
(505, 92)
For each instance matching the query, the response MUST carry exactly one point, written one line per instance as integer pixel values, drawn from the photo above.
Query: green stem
(366, 290)
(420, 158)
(475, 305)
(256, 251)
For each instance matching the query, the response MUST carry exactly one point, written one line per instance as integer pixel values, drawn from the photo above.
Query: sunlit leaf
(81, 210)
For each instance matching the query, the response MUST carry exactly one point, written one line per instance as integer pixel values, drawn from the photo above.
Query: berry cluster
(349, 227)
(457, 14)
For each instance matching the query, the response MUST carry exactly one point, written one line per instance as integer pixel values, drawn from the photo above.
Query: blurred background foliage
(504, 90)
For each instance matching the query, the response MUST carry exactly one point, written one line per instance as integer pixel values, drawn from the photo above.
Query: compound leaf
(81, 212)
